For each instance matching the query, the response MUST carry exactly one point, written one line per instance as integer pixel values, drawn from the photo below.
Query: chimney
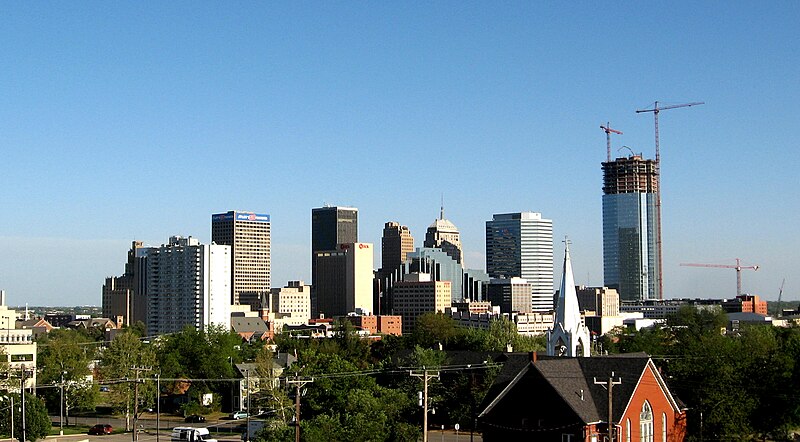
(533, 357)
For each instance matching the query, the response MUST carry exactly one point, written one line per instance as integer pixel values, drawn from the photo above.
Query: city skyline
(131, 123)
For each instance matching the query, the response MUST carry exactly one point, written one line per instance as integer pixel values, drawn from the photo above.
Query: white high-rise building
(520, 245)
(188, 283)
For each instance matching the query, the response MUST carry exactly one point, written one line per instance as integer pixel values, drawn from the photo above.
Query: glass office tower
(630, 227)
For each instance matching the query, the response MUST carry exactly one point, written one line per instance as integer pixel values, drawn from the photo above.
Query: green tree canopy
(64, 358)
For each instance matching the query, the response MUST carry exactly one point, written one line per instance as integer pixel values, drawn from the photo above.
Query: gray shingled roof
(245, 325)
(573, 380)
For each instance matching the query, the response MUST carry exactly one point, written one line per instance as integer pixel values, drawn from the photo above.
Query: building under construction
(631, 247)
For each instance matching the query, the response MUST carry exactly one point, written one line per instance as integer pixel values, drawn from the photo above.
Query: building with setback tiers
(520, 245)
(631, 247)
(249, 235)
(444, 235)
(396, 244)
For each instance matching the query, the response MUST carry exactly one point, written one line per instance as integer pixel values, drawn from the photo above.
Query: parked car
(100, 429)
(194, 419)
(103, 388)
(238, 415)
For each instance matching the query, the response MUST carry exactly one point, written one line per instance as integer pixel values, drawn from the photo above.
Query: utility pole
(298, 383)
(61, 416)
(158, 405)
(247, 418)
(22, 398)
(425, 376)
(136, 381)
(609, 385)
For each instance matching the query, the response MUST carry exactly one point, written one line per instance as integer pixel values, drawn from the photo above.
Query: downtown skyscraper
(520, 245)
(631, 247)
(249, 235)
(331, 227)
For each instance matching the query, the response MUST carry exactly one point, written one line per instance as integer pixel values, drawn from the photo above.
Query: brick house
(566, 400)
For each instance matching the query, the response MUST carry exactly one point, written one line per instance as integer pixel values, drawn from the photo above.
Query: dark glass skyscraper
(630, 227)
(331, 226)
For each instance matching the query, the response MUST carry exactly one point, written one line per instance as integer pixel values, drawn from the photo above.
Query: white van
(191, 434)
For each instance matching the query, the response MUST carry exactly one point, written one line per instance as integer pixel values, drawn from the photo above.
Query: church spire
(569, 336)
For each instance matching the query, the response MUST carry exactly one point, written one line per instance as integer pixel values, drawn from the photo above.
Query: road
(219, 427)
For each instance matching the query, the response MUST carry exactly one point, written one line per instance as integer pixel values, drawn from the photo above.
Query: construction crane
(738, 267)
(780, 294)
(608, 130)
(655, 110)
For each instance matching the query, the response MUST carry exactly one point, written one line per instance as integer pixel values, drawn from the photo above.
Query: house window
(663, 427)
(566, 438)
(646, 423)
(628, 430)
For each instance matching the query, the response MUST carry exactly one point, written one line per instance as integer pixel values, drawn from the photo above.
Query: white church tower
(569, 335)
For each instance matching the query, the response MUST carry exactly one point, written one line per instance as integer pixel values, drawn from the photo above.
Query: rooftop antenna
(441, 208)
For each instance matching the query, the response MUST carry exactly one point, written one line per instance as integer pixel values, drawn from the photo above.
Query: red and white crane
(655, 110)
(608, 130)
(738, 267)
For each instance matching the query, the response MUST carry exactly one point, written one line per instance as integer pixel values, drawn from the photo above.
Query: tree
(64, 357)
(270, 395)
(37, 422)
(206, 357)
(121, 367)
(434, 328)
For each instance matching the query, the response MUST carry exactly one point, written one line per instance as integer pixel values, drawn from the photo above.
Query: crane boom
(608, 130)
(655, 110)
(738, 267)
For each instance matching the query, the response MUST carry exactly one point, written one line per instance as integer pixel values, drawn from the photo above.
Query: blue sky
(137, 120)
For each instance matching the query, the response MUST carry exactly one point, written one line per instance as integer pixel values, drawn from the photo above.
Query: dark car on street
(194, 419)
(100, 429)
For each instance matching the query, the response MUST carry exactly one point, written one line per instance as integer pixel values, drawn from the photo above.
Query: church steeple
(569, 336)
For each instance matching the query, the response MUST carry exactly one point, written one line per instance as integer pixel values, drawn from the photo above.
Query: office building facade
(418, 294)
(520, 245)
(249, 236)
(343, 280)
(188, 283)
(510, 294)
(631, 248)
(292, 303)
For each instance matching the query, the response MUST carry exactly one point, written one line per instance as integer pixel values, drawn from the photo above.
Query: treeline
(738, 385)
(362, 389)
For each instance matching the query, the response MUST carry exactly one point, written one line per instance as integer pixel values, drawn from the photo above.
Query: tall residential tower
(631, 252)
(520, 245)
(249, 235)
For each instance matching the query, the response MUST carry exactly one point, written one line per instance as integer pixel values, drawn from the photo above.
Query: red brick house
(566, 400)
